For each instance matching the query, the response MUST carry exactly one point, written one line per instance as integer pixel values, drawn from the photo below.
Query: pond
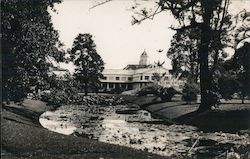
(129, 126)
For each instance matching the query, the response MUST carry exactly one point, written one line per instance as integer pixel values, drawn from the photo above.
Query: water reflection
(48, 121)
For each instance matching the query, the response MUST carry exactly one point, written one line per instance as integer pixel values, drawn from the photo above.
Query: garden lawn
(229, 117)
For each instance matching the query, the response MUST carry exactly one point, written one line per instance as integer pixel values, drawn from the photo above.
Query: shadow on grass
(17, 121)
(32, 115)
(214, 121)
(172, 106)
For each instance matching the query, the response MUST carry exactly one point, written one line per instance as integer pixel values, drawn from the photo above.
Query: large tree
(89, 64)
(184, 53)
(208, 16)
(29, 42)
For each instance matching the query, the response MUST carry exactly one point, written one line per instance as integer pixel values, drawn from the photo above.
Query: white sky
(118, 42)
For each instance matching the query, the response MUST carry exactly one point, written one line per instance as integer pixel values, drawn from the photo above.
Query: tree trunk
(191, 60)
(242, 98)
(216, 58)
(205, 76)
(86, 88)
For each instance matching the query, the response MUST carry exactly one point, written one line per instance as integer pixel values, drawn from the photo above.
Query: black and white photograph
(125, 79)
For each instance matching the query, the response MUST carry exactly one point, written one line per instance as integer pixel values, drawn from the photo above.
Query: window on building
(117, 78)
(111, 85)
(130, 78)
(146, 77)
(141, 77)
(105, 78)
(117, 85)
(123, 85)
(104, 85)
(130, 86)
(152, 77)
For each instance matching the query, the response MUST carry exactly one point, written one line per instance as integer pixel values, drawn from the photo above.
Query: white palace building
(136, 76)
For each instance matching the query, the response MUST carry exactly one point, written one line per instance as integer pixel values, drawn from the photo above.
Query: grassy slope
(23, 137)
(231, 116)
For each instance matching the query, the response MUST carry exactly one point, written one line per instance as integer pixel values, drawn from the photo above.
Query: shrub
(166, 94)
(116, 90)
(150, 89)
(57, 98)
(229, 84)
(190, 91)
(213, 98)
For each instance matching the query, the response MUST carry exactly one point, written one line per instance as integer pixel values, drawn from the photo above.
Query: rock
(132, 141)
(93, 118)
(232, 155)
(244, 132)
(127, 111)
(207, 142)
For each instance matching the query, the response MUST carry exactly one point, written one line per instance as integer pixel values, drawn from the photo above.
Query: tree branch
(99, 4)
(225, 9)
(146, 17)
(155, 11)
(193, 25)
(173, 6)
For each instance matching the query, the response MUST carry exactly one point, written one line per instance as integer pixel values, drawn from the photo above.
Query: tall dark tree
(209, 17)
(89, 63)
(184, 53)
(29, 41)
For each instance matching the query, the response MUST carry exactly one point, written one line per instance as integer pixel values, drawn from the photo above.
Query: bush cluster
(166, 94)
(190, 91)
(213, 98)
(58, 98)
(150, 89)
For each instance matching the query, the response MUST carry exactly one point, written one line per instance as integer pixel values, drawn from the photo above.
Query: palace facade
(136, 76)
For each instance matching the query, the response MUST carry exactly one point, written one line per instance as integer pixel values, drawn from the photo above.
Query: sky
(118, 42)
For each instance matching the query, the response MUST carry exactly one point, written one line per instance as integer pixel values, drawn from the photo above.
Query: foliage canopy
(29, 43)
